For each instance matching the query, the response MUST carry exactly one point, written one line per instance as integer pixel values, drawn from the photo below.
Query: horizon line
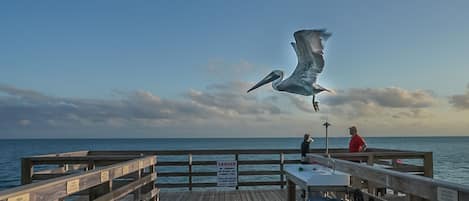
(126, 138)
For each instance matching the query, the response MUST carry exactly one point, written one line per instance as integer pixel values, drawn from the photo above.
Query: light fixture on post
(327, 124)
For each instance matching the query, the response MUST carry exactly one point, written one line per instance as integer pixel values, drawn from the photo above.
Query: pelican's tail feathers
(320, 88)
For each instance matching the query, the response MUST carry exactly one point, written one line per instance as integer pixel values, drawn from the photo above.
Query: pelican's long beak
(331, 91)
(269, 78)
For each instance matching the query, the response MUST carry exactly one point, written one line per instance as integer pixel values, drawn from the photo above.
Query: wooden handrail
(424, 187)
(61, 187)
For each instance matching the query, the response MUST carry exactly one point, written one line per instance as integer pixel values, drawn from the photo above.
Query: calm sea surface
(450, 154)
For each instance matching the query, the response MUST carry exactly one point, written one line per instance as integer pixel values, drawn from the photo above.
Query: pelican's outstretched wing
(309, 49)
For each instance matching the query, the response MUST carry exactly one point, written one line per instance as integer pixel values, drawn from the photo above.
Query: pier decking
(240, 195)
(139, 175)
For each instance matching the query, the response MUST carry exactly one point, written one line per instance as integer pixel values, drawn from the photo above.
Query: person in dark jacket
(305, 146)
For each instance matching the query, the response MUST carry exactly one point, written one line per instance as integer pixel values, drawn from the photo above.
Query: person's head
(353, 130)
(306, 137)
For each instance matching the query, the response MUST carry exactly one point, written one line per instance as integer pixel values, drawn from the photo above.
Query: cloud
(217, 110)
(22, 108)
(22, 93)
(460, 101)
(300, 103)
(355, 103)
(391, 97)
(232, 98)
(412, 113)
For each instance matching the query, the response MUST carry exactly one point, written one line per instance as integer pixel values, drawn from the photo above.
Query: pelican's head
(269, 78)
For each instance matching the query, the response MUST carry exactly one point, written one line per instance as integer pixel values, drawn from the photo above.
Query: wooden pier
(239, 195)
(137, 175)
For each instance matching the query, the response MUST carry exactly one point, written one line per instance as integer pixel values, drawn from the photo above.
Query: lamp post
(327, 124)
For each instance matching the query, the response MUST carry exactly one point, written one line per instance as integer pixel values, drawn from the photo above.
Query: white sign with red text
(227, 174)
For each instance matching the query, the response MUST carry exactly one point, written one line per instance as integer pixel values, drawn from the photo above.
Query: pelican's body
(309, 49)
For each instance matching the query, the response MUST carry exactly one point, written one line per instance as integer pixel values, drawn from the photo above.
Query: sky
(151, 69)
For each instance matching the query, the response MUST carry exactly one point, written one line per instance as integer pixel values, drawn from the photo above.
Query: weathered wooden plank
(73, 153)
(245, 162)
(77, 159)
(212, 152)
(260, 183)
(241, 173)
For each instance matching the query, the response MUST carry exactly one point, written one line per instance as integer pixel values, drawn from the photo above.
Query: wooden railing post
(428, 164)
(282, 161)
(91, 165)
(152, 170)
(291, 195)
(138, 192)
(371, 162)
(237, 170)
(190, 172)
(395, 164)
(26, 171)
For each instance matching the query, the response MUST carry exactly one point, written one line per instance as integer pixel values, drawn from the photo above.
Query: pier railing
(195, 169)
(134, 177)
(111, 175)
(415, 187)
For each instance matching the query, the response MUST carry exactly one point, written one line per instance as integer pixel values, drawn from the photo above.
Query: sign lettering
(227, 174)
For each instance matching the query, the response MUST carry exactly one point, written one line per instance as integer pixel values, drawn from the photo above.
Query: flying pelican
(309, 50)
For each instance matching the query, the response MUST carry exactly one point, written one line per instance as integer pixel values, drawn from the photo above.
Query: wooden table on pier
(301, 175)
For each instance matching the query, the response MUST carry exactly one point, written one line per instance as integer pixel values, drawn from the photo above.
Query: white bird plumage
(309, 48)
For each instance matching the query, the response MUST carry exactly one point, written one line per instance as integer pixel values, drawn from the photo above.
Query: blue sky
(116, 52)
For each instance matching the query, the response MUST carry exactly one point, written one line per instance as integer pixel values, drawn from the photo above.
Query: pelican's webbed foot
(315, 104)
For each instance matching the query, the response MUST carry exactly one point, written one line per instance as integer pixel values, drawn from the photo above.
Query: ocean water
(450, 154)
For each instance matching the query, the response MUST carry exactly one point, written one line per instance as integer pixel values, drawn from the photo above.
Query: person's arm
(363, 148)
(363, 145)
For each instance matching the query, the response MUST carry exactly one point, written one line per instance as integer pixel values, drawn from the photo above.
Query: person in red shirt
(357, 143)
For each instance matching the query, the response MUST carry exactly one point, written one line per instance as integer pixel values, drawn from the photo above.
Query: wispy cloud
(460, 101)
